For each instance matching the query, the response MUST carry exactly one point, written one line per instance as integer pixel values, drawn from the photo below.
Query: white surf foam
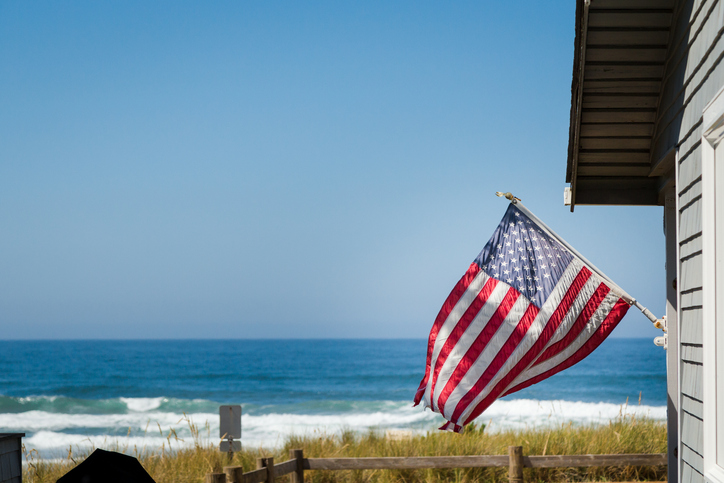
(143, 404)
(527, 413)
(52, 434)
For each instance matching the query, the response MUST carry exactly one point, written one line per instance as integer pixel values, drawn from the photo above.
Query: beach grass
(189, 465)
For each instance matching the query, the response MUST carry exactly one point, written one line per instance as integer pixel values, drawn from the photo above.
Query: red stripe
(459, 330)
(545, 335)
(478, 345)
(611, 321)
(447, 307)
(513, 340)
(578, 325)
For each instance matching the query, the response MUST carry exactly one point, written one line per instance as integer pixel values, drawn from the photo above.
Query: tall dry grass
(190, 465)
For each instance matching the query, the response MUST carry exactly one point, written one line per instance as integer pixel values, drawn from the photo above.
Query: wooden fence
(267, 470)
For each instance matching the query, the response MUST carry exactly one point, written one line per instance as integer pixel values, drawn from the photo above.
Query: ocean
(142, 394)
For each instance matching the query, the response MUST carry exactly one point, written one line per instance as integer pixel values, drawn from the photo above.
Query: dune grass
(191, 464)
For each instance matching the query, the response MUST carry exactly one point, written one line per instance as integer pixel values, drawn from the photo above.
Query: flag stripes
(490, 339)
(461, 325)
(526, 357)
(452, 300)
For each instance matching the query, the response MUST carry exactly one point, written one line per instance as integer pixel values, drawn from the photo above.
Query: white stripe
(446, 328)
(530, 337)
(479, 322)
(488, 354)
(578, 305)
(593, 324)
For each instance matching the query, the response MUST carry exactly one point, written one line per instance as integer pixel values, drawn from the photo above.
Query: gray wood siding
(694, 73)
(692, 406)
(690, 321)
(689, 474)
(693, 459)
(691, 430)
(691, 380)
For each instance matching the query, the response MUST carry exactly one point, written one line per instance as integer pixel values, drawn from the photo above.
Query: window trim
(713, 134)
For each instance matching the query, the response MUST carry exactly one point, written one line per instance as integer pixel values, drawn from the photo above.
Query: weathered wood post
(515, 468)
(215, 478)
(267, 463)
(234, 474)
(298, 475)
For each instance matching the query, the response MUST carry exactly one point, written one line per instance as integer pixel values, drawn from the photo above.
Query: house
(647, 118)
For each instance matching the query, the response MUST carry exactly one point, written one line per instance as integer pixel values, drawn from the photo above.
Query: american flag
(527, 308)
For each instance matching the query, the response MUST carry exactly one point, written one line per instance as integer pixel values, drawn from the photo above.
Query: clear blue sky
(282, 169)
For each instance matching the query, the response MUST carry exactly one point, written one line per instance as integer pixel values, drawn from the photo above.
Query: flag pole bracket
(507, 195)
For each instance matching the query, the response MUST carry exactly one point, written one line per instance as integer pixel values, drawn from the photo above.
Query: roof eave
(575, 84)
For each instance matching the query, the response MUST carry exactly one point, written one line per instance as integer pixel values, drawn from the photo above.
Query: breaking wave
(53, 424)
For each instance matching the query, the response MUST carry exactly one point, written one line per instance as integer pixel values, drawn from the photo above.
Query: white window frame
(712, 160)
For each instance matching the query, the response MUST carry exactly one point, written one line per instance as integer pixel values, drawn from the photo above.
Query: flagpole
(630, 300)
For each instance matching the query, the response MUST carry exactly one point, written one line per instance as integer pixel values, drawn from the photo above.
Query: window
(713, 287)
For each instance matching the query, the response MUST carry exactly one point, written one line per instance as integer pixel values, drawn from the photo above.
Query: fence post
(515, 469)
(215, 478)
(298, 475)
(267, 463)
(234, 474)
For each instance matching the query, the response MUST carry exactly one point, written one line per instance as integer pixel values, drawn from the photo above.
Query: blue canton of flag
(524, 256)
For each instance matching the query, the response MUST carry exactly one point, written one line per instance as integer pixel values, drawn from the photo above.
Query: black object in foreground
(107, 467)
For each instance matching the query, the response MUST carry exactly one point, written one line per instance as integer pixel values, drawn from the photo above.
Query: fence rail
(267, 470)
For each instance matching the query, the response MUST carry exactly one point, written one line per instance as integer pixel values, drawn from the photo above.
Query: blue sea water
(135, 393)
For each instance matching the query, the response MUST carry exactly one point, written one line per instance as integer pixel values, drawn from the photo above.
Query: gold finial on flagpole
(508, 195)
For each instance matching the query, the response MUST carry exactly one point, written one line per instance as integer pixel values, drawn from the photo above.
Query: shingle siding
(694, 74)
